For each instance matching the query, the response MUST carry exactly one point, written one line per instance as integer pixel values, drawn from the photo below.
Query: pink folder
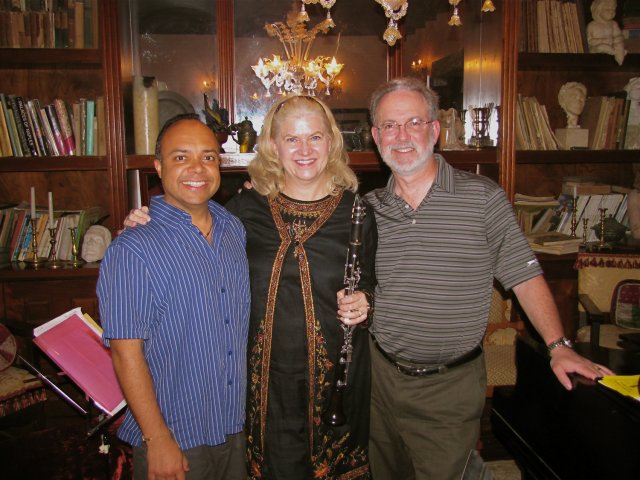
(75, 345)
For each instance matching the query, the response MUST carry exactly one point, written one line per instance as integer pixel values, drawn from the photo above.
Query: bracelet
(561, 342)
(148, 439)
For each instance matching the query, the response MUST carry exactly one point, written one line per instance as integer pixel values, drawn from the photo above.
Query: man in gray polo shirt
(444, 235)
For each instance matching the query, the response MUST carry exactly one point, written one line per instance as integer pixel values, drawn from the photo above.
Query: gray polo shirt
(435, 265)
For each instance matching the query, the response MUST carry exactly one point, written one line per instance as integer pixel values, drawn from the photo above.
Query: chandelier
(455, 21)
(297, 73)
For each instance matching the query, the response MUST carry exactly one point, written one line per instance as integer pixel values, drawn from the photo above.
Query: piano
(590, 432)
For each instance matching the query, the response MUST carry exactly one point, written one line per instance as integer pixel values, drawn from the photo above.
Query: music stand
(73, 341)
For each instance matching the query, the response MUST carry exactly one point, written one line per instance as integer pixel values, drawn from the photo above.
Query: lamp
(297, 72)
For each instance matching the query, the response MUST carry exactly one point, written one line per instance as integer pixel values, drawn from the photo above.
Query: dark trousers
(226, 461)
(424, 427)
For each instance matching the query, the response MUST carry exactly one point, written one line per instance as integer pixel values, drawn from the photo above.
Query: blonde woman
(298, 220)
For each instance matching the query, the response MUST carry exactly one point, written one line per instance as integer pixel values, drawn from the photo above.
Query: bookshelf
(80, 181)
(540, 173)
(541, 75)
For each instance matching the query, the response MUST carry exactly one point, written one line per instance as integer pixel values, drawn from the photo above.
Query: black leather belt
(419, 370)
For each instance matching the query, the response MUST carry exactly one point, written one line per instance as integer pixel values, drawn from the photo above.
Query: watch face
(7, 348)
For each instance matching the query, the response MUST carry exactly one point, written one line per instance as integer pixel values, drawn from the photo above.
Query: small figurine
(571, 97)
(603, 33)
(450, 126)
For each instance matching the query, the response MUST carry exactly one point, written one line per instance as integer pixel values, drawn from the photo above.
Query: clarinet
(333, 414)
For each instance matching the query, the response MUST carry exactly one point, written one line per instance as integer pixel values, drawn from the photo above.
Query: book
(10, 124)
(5, 141)
(55, 128)
(553, 238)
(52, 146)
(90, 121)
(73, 341)
(34, 120)
(66, 130)
(101, 140)
(25, 144)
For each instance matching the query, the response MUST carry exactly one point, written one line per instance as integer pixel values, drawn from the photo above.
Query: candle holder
(53, 258)
(602, 244)
(585, 226)
(32, 259)
(76, 261)
(574, 218)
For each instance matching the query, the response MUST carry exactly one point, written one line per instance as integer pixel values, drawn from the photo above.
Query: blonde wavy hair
(266, 170)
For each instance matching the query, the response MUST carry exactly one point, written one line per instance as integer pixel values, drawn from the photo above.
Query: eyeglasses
(415, 125)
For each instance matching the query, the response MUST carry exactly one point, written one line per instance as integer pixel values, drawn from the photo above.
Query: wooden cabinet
(541, 75)
(541, 172)
(34, 296)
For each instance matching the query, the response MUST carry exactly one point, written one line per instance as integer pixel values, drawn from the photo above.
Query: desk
(587, 433)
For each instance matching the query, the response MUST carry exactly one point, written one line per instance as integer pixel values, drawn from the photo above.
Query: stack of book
(606, 119)
(553, 26)
(530, 209)
(16, 230)
(554, 243)
(533, 131)
(29, 128)
(49, 24)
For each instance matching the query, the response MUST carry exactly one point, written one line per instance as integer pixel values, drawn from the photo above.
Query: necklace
(206, 235)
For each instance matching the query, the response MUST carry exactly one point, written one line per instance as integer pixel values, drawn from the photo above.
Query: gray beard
(405, 168)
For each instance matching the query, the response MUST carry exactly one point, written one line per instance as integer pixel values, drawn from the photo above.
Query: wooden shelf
(577, 61)
(53, 164)
(20, 271)
(45, 57)
(576, 156)
(364, 161)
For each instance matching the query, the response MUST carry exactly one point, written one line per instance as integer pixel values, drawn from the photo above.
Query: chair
(604, 328)
(22, 395)
(499, 342)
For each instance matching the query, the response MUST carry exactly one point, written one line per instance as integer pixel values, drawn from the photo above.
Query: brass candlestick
(53, 258)
(585, 225)
(602, 244)
(76, 261)
(574, 218)
(32, 258)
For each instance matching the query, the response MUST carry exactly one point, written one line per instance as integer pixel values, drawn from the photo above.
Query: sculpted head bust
(96, 240)
(571, 97)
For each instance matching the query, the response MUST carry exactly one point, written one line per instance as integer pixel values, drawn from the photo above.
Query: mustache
(397, 146)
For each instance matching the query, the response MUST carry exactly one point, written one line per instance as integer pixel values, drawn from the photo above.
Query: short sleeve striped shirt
(435, 266)
(189, 301)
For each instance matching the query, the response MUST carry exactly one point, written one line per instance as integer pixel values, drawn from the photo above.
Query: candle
(51, 223)
(575, 191)
(33, 202)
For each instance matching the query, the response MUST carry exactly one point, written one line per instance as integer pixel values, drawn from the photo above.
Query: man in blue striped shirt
(174, 303)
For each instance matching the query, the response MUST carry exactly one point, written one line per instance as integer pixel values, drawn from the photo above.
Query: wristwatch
(561, 342)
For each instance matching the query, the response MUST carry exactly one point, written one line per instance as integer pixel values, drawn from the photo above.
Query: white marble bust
(603, 33)
(571, 97)
(96, 240)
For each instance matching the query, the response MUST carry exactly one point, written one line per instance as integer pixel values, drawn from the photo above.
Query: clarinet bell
(334, 414)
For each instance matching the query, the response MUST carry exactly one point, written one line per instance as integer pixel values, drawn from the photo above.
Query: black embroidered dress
(297, 253)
